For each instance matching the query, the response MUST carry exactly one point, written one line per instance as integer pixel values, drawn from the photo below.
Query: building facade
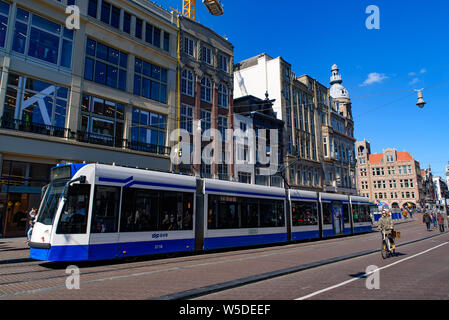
(252, 116)
(206, 98)
(338, 139)
(392, 177)
(318, 130)
(441, 189)
(104, 93)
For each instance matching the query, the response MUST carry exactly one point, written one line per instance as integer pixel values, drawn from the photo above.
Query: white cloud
(412, 74)
(373, 78)
(414, 81)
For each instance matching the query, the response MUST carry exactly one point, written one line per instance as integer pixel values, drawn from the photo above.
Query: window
(206, 122)
(223, 63)
(42, 39)
(105, 65)
(222, 127)
(206, 89)
(361, 213)
(150, 81)
(4, 17)
(226, 212)
(206, 55)
(187, 118)
(35, 102)
(187, 83)
(92, 8)
(189, 46)
(166, 45)
(139, 28)
(153, 210)
(127, 22)
(223, 96)
(148, 128)
(304, 214)
(106, 209)
(73, 219)
(152, 35)
(327, 213)
(102, 121)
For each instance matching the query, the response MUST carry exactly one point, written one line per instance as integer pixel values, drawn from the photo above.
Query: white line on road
(367, 274)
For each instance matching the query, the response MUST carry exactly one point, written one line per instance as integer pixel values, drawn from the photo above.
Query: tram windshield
(50, 202)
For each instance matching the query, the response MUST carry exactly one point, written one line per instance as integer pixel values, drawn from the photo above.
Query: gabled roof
(400, 156)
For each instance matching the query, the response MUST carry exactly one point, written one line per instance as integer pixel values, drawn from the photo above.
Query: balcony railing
(31, 127)
(81, 136)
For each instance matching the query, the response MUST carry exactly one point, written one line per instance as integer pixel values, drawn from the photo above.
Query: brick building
(392, 177)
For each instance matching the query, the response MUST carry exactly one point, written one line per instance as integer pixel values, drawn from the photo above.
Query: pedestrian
(427, 220)
(440, 221)
(434, 218)
(31, 217)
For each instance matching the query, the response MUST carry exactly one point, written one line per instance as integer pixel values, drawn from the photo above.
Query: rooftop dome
(337, 91)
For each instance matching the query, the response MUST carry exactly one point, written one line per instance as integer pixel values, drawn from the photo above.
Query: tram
(92, 212)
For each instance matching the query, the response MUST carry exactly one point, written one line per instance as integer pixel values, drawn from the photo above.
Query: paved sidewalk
(13, 248)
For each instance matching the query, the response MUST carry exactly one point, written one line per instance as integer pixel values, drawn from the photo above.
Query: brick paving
(154, 278)
(424, 277)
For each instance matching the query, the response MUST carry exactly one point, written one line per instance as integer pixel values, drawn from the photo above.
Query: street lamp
(421, 103)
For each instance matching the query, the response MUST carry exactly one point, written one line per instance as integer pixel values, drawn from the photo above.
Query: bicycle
(388, 246)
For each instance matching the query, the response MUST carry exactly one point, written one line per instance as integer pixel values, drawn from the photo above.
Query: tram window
(153, 210)
(139, 210)
(327, 213)
(355, 213)
(346, 213)
(73, 219)
(271, 214)
(177, 213)
(249, 213)
(105, 211)
(364, 213)
(304, 214)
(226, 212)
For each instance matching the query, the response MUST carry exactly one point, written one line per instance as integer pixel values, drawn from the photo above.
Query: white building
(441, 188)
(245, 154)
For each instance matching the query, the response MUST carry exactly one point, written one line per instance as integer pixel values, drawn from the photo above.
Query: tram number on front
(158, 246)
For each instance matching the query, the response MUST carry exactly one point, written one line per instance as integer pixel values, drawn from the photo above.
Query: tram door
(104, 236)
(337, 217)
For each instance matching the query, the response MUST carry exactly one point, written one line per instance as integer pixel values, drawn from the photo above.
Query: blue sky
(410, 51)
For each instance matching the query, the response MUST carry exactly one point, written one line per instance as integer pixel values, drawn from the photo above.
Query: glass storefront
(21, 185)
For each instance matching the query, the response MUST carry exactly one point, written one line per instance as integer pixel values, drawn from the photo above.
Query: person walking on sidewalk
(427, 220)
(434, 218)
(31, 217)
(440, 221)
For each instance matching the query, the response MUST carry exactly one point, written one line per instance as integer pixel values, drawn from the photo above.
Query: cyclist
(386, 225)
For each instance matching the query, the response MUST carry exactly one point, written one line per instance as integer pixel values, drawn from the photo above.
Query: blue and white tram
(101, 212)
(240, 214)
(106, 212)
(362, 220)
